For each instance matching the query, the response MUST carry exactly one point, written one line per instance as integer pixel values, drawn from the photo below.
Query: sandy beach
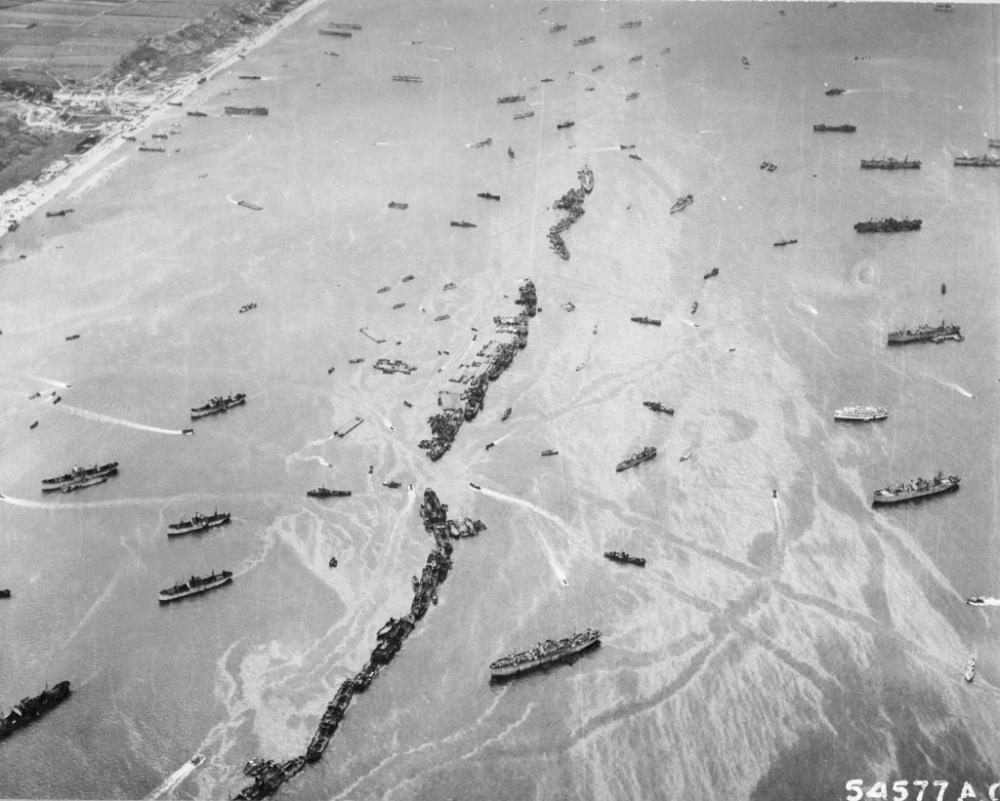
(783, 638)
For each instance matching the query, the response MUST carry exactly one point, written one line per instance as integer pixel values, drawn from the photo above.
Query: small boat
(34, 425)
(394, 204)
(782, 242)
(248, 205)
(407, 404)
(333, 561)
(634, 157)
(711, 273)
(746, 62)
(391, 484)
(510, 152)
(71, 337)
(462, 224)
(682, 203)
(382, 289)
(57, 399)
(944, 289)
(398, 305)
(187, 431)
(694, 307)
(197, 759)
(475, 486)
(330, 370)
(488, 196)
(4, 593)
(564, 124)
(406, 278)
(550, 452)
(441, 317)
(490, 445)
(484, 143)
(685, 456)
(506, 413)
(632, 96)
(248, 307)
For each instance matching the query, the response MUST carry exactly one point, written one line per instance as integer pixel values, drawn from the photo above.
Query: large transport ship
(926, 333)
(199, 522)
(914, 489)
(30, 709)
(863, 414)
(219, 404)
(79, 474)
(890, 163)
(543, 654)
(195, 585)
(647, 453)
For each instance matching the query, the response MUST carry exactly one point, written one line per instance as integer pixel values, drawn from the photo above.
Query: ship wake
(105, 418)
(560, 574)
(172, 782)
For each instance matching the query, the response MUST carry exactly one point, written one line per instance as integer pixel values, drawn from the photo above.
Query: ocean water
(771, 649)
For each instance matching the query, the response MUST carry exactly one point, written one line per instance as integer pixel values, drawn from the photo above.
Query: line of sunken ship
(445, 424)
(571, 202)
(268, 775)
(888, 225)
(30, 709)
(80, 478)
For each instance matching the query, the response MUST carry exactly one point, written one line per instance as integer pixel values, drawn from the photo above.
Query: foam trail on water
(173, 780)
(104, 418)
(61, 507)
(560, 574)
(50, 381)
(990, 602)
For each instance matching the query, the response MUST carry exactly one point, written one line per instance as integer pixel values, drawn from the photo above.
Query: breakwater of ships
(269, 775)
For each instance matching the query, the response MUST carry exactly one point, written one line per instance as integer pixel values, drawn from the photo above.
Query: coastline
(23, 200)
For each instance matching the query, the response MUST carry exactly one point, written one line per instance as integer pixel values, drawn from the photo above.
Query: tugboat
(970, 669)
(864, 414)
(218, 404)
(926, 333)
(824, 128)
(888, 225)
(30, 709)
(656, 406)
(621, 556)
(195, 585)
(976, 600)
(914, 489)
(645, 320)
(323, 492)
(543, 654)
(199, 522)
(682, 203)
(644, 455)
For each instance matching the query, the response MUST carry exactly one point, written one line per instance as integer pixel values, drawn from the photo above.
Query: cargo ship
(635, 23)
(861, 413)
(621, 556)
(888, 225)
(323, 492)
(845, 128)
(506, 413)
(782, 242)
(645, 320)
(79, 474)
(556, 28)
(644, 455)
(218, 404)
(890, 163)
(550, 452)
(340, 34)
(195, 585)
(682, 203)
(926, 333)
(199, 522)
(543, 654)
(30, 709)
(656, 406)
(915, 488)
(986, 160)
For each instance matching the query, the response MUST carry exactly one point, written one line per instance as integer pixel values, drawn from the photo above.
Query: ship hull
(49, 699)
(204, 526)
(856, 417)
(198, 413)
(165, 599)
(513, 671)
(50, 484)
(887, 500)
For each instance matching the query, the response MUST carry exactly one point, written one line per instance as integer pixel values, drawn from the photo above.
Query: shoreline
(20, 202)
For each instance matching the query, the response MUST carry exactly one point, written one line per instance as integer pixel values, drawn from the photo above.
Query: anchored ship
(462, 224)
(834, 92)
(79, 474)
(645, 320)
(656, 406)
(845, 128)
(395, 204)
(510, 99)
(915, 488)
(890, 163)
(682, 203)
(199, 522)
(488, 196)
(644, 455)
(985, 160)
(564, 124)
(888, 225)
(926, 333)
(585, 40)
(621, 556)
(523, 115)
(195, 585)
(252, 111)
(30, 709)
(218, 404)
(861, 413)
(543, 654)
(782, 242)
(323, 492)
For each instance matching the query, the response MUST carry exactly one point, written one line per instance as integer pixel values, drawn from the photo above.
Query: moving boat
(833, 92)
(506, 413)
(543, 654)
(644, 455)
(550, 452)
(195, 585)
(861, 413)
(914, 489)
(488, 196)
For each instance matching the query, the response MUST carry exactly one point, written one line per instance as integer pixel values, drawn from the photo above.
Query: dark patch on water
(762, 550)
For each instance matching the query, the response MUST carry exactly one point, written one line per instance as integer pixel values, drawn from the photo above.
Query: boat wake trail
(990, 602)
(25, 503)
(50, 381)
(173, 780)
(951, 385)
(104, 418)
(560, 574)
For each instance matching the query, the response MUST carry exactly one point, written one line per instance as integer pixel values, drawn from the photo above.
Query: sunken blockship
(572, 203)
(446, 423)
(30, 709)
(889, 225)
(268, 775)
